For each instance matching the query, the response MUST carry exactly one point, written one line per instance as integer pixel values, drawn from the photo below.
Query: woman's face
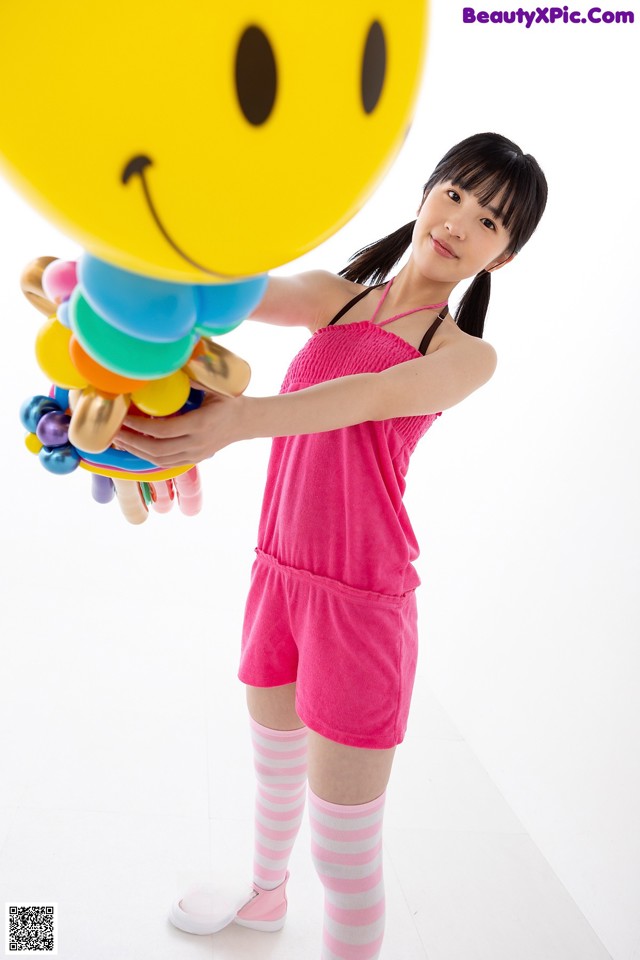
(456, 237)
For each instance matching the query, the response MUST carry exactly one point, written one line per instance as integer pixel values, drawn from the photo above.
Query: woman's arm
(425, 385)
(304, 300)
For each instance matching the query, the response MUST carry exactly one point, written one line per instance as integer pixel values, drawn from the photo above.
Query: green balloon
(146, 493)
(121, 353)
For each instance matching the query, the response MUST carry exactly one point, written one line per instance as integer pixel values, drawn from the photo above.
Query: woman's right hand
(186, 439)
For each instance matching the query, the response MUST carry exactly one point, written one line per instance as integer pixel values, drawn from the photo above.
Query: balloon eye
(256, 76)
(374, 64)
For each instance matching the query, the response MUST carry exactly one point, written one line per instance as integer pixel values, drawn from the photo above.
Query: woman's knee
(274, 707)
(347, 775)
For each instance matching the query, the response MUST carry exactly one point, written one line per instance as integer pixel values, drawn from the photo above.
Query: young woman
(329, 643)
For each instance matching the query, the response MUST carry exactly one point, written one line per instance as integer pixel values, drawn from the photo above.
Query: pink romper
(332, 602)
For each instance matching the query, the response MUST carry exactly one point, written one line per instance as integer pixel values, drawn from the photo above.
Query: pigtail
(472, 309)
(376, 261)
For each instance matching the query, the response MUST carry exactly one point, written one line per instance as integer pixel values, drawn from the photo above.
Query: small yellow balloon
(32, 443)
(159, 398)
(52, 354)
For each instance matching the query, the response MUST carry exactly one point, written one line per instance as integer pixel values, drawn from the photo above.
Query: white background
(524, 498)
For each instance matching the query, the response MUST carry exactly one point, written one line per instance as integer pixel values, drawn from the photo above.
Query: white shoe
(205, 909)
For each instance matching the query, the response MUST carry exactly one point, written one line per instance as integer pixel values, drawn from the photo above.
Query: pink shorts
(352, 653)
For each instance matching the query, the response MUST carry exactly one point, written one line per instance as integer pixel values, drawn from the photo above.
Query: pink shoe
(204, 909)
(267, 910)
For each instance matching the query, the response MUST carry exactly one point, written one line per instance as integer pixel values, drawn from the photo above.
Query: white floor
(125, 777)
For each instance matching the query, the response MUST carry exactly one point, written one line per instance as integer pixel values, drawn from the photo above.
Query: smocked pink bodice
(333, 501)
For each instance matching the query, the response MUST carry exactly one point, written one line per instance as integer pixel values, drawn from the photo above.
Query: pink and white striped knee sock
(346, 846)
(280, 760)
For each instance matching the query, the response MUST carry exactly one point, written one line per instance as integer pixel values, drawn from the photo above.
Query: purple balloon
(53, 429)
(102, 488)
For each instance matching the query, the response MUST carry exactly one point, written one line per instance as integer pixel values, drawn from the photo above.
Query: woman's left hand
(186, 439)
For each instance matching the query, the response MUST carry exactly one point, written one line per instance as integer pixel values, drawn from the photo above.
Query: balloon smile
(137, 165)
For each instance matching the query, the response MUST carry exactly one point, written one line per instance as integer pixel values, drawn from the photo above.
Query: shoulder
(307, 299)
(485, 354)
(471, 353)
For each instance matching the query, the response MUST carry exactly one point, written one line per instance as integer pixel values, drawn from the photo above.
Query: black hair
(488, 165)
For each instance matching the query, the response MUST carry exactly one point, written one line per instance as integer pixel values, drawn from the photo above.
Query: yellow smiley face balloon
(200, 141)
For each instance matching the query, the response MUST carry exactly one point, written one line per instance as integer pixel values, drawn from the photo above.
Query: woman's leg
(346, 805)
(280, 755)
(347, 775)
(279, 742)
(274, 706)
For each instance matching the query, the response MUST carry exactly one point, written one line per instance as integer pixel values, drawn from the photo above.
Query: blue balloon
(193, 401)
(59, 460)
(118, 460)
(33, 409)
(223, 306)
(62, 313)
(61, 397)
(157, 311)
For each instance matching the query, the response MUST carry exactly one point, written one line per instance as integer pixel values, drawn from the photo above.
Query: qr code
(32, 928)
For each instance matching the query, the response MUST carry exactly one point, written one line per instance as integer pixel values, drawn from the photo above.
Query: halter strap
(351, 302)
(429, 306)
(382, 300)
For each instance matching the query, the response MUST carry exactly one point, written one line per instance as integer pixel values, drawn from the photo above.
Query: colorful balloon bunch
(199, 153)
(115, 342)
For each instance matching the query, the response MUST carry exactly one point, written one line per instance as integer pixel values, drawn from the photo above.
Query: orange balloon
(97, 375)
